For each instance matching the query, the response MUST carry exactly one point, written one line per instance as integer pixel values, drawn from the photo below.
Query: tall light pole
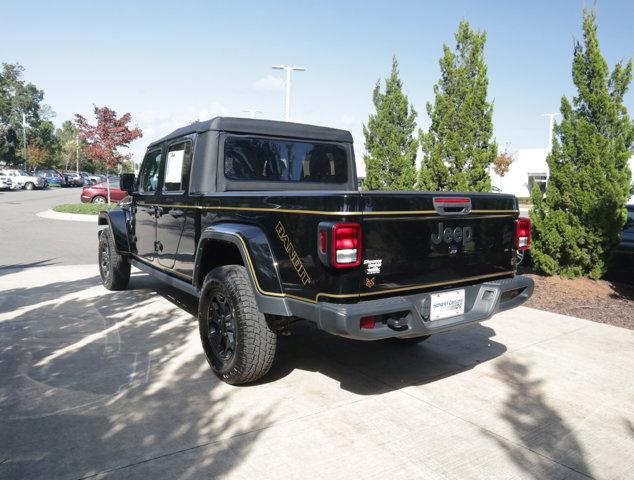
(77, 151)
(252, 112)
(551, 126)
(289, 69)
(24, 138)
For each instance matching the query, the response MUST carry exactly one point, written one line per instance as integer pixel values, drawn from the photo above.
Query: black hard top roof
(261, 127)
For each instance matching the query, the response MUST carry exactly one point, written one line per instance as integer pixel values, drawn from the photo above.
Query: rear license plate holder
(446, 304)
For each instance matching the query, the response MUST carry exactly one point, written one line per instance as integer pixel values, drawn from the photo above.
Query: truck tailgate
(421, 240)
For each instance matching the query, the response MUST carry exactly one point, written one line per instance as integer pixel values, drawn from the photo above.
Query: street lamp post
(77, 151)
(551, 125)
(289, 69)
(24, 138)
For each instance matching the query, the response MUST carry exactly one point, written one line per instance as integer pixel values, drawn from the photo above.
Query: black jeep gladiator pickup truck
(264, 223)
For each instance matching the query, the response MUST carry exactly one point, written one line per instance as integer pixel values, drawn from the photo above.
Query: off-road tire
(29, 186)
(114, 269)
(254, 342)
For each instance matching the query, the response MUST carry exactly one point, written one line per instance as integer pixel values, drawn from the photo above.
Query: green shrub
(577, 223)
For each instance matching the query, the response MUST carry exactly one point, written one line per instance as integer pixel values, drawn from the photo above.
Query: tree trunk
(108, 184)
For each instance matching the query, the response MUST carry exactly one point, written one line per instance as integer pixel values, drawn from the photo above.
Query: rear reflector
(523, 238)
(367, 323)
(323, 241)
(345, 245)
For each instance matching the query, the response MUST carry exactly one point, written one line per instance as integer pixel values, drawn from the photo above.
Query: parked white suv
(23, 179)
(5, 182)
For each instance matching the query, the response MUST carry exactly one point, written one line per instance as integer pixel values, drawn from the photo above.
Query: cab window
(177, 164)
(283, 160)
(149, 174)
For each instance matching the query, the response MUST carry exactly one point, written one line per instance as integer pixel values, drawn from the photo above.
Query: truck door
(145, 200)
(172, 214)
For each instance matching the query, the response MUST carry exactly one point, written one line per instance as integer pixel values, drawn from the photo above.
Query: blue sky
(170, 62)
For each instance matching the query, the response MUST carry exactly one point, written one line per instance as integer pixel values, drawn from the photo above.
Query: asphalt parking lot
(98, 384)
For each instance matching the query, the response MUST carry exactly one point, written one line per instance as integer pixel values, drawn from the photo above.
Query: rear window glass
(269, 159)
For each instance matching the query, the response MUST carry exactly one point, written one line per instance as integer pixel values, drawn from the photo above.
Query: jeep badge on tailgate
(449, 235)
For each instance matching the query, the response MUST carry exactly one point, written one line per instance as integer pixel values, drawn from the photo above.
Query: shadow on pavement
(16, 267)
(364, 368)
(369, 368)
(99, 381)
(538, 427)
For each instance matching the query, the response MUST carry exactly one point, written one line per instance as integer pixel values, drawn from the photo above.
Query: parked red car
(98, 193)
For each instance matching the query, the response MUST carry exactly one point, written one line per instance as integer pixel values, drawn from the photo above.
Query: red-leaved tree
(102, 141)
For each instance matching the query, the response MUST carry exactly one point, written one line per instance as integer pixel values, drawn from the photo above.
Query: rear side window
(149, 174)
(269, 159)
(177, 166)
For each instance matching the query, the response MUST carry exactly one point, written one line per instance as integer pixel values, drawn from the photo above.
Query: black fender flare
(116, 220)
(257, 257)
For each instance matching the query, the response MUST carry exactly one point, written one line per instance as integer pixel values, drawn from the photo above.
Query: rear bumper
(481, 302)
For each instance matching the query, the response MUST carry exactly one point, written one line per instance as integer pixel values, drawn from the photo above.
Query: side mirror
(126, 182)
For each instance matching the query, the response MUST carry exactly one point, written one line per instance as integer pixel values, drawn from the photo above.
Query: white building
(529, 167)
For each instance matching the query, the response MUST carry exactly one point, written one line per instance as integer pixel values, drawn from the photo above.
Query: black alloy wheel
(221, 327)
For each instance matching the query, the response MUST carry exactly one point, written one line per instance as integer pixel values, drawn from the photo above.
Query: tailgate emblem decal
(294, 257)
(452, 235)
(373, 267)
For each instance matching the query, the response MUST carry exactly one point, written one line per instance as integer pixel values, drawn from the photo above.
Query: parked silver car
(22, 179)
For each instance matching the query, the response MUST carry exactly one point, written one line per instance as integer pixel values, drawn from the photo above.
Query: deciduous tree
(577, 223)
(502, 163)
(458, 148)
(103, 140)
(390, 145)
(18, 97)
(37, 156)
(69, 154)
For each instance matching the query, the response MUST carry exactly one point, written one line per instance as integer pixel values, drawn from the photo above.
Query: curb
(74, 217)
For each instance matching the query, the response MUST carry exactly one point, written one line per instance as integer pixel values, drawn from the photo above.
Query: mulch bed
(601, 301)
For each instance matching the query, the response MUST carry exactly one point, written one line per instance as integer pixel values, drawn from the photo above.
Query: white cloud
(269, 84)
(346, 121)
(214, 110)
(158, 123)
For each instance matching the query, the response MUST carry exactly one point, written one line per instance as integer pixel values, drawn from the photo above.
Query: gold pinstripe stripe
(315, 212)
(362, 294)
(334, 295)
(324, 294)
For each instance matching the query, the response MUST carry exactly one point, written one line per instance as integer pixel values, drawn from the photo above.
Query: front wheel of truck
(238, 343)
(114, 269)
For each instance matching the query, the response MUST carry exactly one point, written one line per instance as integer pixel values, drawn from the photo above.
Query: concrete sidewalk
(95, 383)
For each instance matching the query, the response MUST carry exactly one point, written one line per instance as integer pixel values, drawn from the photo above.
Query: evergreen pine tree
(458, 147)
(390, 159)
(577, 223)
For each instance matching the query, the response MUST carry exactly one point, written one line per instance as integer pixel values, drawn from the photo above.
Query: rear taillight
(340, 244)
(367, 323)
(346, 245)
(523, 237)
